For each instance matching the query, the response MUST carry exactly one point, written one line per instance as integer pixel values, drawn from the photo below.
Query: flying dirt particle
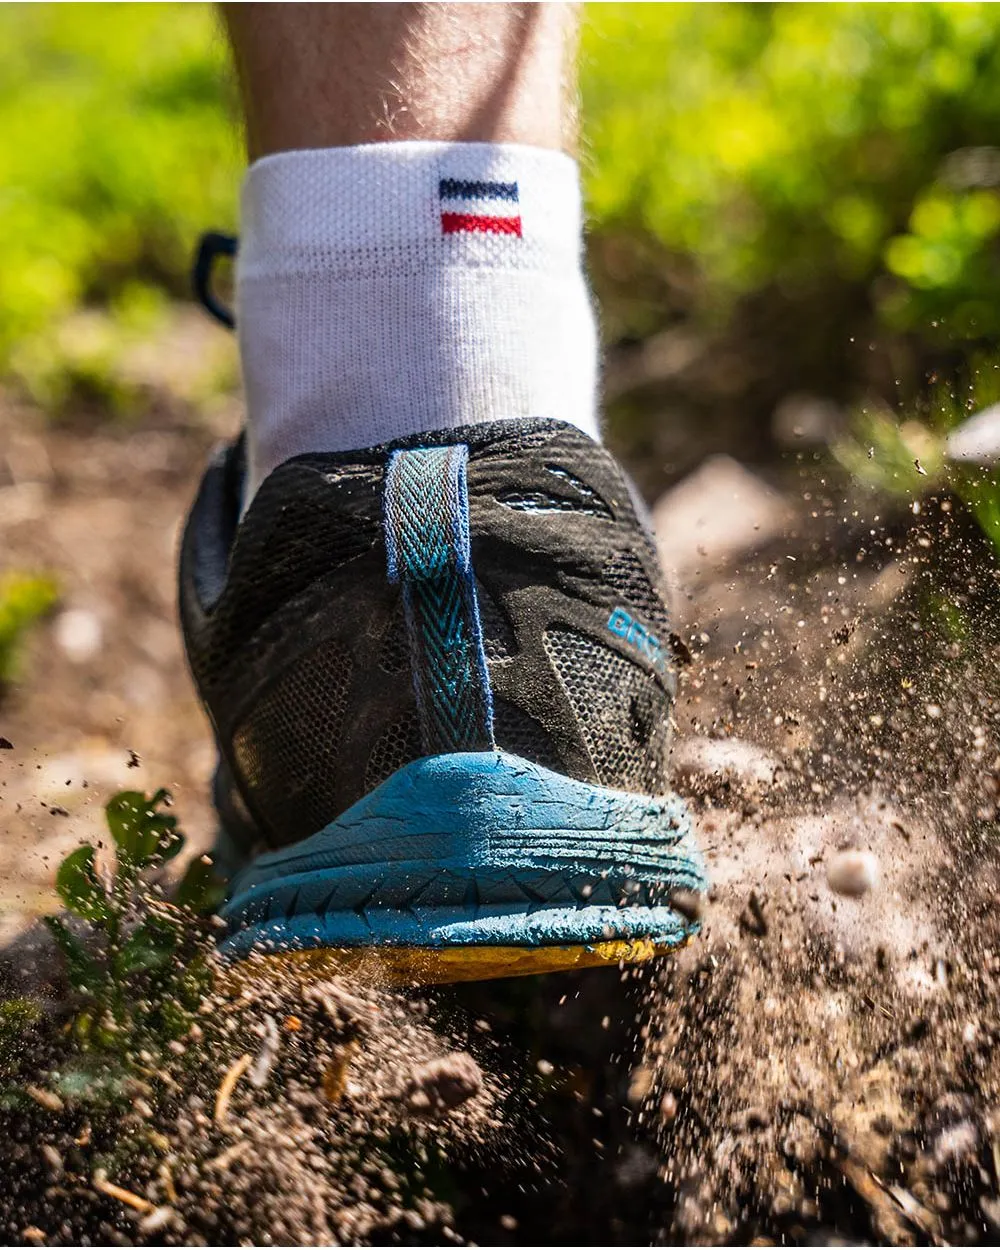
(292, 1023)
(668, 1108)
(958, 1142)
(351, 1016)
(35, 1235)
(508, 1222)
(852, 873)
(640, 1084)
(544, 1067)
(443, 1084)
(690, 904)
(335, 1073)
(134, 759)
(7, 745)
(842, 635)
(752, 918)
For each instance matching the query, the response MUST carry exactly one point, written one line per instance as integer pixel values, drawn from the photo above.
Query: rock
(956, 1143)
(640, 1084)
(716, 513)
(443, 1084)
(79, 634)
(852, 872)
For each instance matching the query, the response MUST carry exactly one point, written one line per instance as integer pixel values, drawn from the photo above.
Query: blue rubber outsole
(472, 850)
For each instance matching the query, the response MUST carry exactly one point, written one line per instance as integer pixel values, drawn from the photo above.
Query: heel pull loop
(428, 552)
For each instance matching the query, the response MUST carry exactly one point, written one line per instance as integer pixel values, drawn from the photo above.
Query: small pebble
(441, 1085)
(957, 1142)
(78, 634)
(852, 873)
(640, 1084)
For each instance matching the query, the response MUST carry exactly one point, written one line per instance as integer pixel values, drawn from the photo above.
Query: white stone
(852, 873)
(79, 634)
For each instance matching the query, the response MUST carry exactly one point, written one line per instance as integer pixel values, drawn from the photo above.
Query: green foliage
(138, 962)
(731, 151)
(806, 144)
(24, 598)
(905, 456)
(119, 146)
(902, 458)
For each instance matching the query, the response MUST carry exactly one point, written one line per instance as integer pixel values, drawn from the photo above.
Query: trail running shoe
(440, 680)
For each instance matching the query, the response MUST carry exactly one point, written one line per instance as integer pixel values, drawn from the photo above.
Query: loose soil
(820, 1066)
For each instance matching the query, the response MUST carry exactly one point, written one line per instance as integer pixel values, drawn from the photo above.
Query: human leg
(434, 644)
(412, 233)
(336, 75)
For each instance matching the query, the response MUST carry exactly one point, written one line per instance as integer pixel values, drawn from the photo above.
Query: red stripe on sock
(457, 223)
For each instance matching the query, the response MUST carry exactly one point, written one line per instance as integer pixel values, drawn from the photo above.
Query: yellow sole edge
(396, 966)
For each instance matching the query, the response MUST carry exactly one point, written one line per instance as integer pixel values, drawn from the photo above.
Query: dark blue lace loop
(212, 246)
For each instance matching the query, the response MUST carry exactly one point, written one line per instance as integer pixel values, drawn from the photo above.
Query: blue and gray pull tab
(428, 551)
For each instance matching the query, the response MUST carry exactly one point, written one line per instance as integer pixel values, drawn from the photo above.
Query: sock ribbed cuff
(398, 287)
(411, 204)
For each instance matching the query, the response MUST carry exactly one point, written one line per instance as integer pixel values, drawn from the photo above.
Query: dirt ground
(821, 1066)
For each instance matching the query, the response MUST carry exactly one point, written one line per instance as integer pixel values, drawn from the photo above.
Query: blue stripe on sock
(460, 189)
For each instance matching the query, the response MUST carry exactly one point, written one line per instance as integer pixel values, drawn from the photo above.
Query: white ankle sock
(398, 287)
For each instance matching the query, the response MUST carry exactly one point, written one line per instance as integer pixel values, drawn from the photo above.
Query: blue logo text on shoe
(629, 628)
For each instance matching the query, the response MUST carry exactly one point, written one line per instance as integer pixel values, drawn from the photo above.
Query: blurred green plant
(805, 144)
(119, 146)
(137, 961)
(907, 456)
(24, 599)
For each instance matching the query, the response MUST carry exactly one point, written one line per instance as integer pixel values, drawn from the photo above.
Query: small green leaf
(150, 947)
(201, 888)
(142, 834)
(81, 970)
(78, 886)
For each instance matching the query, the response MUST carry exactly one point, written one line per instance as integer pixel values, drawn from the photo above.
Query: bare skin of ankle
(330, 75)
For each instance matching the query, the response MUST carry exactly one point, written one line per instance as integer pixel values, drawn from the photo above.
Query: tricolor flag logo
(479, 207)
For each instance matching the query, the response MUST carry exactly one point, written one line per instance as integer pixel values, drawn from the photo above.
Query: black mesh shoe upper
(299, 647)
